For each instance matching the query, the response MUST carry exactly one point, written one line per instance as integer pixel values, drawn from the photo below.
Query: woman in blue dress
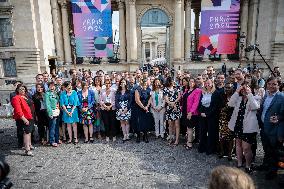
(69, 102)
(123, 111)
(144, 118)
(87, 115)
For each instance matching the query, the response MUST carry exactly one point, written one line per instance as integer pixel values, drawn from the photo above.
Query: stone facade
(41, 31)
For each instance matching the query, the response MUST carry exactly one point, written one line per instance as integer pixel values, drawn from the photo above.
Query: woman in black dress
(143, 116)
(244, 123)
(41, 113)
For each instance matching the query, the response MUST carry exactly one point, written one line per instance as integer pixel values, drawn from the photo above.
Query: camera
(5, 182)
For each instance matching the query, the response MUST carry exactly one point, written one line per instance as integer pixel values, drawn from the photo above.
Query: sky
(115, 23)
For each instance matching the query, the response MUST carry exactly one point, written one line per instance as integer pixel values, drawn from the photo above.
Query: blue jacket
(274, 131)
(91, 98)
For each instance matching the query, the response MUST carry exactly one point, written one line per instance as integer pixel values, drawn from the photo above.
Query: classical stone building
(36, 34)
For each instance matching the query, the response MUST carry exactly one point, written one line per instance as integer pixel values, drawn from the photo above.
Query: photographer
(244, 123)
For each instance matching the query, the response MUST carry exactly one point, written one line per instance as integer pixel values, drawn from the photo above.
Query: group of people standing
(216, 111)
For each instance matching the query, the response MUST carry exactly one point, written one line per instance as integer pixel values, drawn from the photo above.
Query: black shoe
(138, 138)
(271, 175)
(248, 170)
(145, 138)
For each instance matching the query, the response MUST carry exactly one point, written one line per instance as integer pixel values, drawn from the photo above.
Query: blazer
(214, 109)
(103, 98)
(21, 108)
(161, 100)
(273, 131)
(250, 124)
(91, 98)
(51, 100)
(193, 101)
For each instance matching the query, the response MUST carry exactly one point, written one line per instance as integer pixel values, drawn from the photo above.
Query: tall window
(9, 67)
(5, 32)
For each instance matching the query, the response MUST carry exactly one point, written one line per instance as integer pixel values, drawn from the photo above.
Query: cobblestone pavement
(114, 165)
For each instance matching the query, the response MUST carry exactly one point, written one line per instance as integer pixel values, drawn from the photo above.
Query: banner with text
(92, 28)
(219, 26)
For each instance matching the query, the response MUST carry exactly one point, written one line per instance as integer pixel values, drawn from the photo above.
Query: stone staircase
(277, 50)
(29, 67)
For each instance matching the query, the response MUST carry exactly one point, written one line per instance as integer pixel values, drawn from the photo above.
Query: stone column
(196, 28)
(156, 49)
(56, 30)
(187, 50)
(253, 16)
(66, 30)
(143, 52)
(122, 37)
(177, 30)
(133, 31)
(151, 51)
(244, 25)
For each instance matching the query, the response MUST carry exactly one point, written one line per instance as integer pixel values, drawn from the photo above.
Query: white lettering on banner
(92, 25)
(219, 22)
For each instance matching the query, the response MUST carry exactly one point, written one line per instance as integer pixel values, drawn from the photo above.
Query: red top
(21, 108)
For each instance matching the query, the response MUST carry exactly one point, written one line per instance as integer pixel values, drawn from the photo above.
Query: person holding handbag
(51, 100)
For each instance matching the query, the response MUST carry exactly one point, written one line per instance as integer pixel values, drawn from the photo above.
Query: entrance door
(155, 37)
(52, 66)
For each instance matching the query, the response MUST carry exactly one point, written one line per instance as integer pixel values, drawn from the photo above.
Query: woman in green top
(52, 106)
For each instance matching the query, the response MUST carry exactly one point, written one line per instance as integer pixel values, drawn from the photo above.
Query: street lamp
(242, 45)
(73, 44)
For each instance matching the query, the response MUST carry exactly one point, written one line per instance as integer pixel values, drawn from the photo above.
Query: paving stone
(113, 165)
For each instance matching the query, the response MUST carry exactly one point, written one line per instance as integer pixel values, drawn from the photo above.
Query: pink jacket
(193, 101)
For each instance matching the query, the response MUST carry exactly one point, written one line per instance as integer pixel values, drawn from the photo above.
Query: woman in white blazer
(244, 123)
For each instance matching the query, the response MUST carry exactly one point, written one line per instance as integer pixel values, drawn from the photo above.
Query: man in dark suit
(271, 117)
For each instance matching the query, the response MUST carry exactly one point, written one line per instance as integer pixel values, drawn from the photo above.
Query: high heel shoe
(145, 138)
(76, 141)
(138, 138)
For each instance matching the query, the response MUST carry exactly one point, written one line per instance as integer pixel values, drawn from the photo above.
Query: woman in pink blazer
(194, 94)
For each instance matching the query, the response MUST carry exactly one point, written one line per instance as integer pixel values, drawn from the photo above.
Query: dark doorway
(52, 65)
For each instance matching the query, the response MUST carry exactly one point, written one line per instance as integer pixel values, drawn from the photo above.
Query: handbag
(55, 112)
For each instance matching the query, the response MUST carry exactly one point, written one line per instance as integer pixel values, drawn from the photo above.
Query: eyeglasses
(22, 89)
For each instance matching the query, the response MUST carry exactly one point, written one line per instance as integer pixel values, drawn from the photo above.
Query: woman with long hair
(98, 123)
(41, 113)
(69, 102)
(107, 102)
(143, 116)
(173, 110)
(244, 123)
(183, 102)
(158, 107)
(209, 115)
(87, 101)
(123, 104)
(192, 96)
(23, 114)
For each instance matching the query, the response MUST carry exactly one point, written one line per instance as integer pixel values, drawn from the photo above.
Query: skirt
(123, 116)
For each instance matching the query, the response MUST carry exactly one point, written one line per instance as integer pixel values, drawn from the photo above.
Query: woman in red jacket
(23, 107)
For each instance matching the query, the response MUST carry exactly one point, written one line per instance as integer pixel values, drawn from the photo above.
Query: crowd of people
(221, 113)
